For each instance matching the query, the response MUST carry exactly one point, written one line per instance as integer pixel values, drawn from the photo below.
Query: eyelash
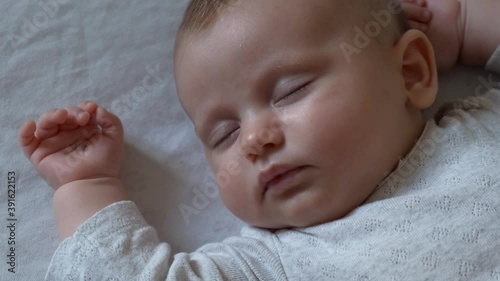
(224, 138)
(299, 90)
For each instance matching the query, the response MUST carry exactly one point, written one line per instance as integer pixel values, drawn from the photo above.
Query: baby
(310, 116)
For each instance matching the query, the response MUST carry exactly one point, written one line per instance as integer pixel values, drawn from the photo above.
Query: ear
(418, 68)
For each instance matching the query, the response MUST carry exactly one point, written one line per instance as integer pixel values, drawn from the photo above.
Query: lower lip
(284, 181)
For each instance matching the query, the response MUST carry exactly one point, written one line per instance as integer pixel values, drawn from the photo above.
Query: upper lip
(273, 171)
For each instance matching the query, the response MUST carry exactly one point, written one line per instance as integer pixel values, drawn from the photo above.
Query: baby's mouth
(279, 178)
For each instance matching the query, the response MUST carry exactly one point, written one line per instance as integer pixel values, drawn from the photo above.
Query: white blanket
(56, 53)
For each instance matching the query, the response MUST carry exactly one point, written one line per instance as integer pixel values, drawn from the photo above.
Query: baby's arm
(78, 151)
(77, 201)
(481, 30)
(463, 31)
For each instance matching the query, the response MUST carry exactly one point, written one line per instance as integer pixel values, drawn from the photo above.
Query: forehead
(249, 37)
(281, 18)
(242, 21)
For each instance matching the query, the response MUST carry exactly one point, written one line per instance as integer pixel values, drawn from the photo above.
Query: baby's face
(295, 133)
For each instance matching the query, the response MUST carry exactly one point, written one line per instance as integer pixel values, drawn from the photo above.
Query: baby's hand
(441, 21)
(75, 143)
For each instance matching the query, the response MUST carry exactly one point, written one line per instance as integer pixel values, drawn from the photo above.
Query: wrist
(77, 201)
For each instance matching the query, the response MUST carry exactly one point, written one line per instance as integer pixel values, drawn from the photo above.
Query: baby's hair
(200, 15)
(401, 22)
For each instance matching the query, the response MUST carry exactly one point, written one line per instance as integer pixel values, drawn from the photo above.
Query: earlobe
(418, 68)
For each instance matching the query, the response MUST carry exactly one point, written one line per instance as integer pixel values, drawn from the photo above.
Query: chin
(295, 224)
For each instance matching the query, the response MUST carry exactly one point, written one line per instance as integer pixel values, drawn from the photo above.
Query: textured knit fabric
(436, 217)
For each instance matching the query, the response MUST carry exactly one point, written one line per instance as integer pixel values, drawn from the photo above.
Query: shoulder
(250, 238)
(253, 255)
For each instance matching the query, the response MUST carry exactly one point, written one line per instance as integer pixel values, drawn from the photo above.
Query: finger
(110, 123)
(418, 25)
(88, 106)
(76, 118)
(48, 123)
(27, 138)
(416, 13)
(91, 108)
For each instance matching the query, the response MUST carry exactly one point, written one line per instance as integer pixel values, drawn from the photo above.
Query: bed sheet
(55, 53)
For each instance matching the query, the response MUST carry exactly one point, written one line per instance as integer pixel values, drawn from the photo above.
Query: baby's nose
(259, 140)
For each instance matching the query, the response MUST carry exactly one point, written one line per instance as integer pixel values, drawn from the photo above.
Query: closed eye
(226, 138)
(293, 95)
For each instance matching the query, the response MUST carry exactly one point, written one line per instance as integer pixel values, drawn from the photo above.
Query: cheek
(228, 172)
(230, 168)
(233, 179)
(337, 127)
(331, 118)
